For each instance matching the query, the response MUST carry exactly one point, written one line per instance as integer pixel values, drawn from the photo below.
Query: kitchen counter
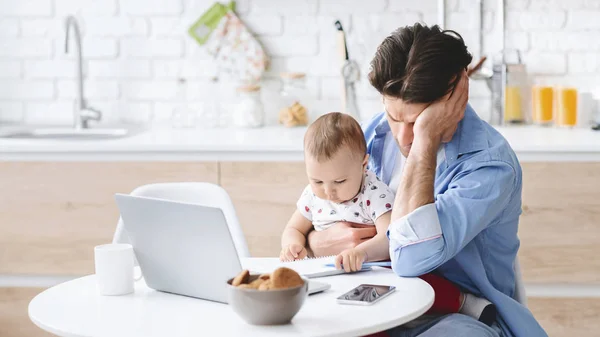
(272, 143)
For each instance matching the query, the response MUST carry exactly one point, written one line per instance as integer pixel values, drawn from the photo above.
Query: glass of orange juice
(566, 113)
(543, 104)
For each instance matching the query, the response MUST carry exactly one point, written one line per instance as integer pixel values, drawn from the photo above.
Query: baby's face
(338, 179)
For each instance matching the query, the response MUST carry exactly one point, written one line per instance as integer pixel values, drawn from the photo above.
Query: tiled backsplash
(135, 50)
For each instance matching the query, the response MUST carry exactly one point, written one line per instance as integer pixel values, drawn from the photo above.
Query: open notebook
(310, 267)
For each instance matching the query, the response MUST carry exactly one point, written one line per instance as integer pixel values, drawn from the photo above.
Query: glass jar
(510, 89)
(209, 112)
(296, 100)
(249, 111)
(183, 116)
(516, 94)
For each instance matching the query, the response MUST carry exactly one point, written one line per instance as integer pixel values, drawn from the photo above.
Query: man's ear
(365, 161)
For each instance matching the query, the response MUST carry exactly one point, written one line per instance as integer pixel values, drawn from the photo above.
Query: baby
(342, 189)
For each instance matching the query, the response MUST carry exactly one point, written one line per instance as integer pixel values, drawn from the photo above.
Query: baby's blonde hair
(331, 132)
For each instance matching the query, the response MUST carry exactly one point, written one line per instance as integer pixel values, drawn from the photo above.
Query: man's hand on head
(438, 122)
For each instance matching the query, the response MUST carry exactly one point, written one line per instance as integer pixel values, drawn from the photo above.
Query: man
(458, 183)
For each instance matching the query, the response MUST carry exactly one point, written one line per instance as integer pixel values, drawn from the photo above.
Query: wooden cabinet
(14, 319)
(566, 317)
(264, 196)
(53, 214)
(560, 224)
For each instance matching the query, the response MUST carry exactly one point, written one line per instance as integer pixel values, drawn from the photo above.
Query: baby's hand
(351, 259)
(293, 252)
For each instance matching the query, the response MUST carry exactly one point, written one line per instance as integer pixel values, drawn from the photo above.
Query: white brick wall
(84, 7)
(518, 40)
(117, 27)
(291, 8)
(26, 7)
(25, 47)
(120, 69)
(50, 69)
(93, 48)
(152, 48)
(150, 90)
(191, 69)
(546, 63)
(10, 69)
(391, 22)
(38, 112)
(101, 89)
(265, 24)
(135, 51)
(291, 46)
(168, 26)
(584, 63)
(9, 27)
(152, 7)
(335, 7)
(536, 21)
(24, 90)
(11, 112)
(50, 28)
(417, 6)
(565, 41)
(584, 20)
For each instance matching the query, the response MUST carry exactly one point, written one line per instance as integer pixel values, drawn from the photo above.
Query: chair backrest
(205, 194)
(520, 295)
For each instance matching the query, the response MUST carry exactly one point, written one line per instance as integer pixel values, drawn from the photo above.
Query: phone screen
(366, 293)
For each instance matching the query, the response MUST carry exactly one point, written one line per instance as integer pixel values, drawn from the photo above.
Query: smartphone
(366, 294)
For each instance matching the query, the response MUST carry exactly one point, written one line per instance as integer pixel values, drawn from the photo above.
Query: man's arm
(339, 237)
(432, 234)
(436, 124)
(423, 234)
(416, 187)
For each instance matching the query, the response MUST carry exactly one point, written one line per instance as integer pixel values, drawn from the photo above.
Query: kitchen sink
(55, 132)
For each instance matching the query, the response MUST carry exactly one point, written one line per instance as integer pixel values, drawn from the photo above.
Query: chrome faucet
(82, 112)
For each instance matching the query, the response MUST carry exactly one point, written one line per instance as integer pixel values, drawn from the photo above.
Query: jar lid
(292, 75)
(516, 68)
(248, 88)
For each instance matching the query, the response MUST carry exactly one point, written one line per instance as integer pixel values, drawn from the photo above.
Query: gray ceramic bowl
(267, 307)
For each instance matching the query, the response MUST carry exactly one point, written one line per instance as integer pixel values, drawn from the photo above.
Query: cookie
(256, 283)
(285, 278)
(266, 285)
(265, 276)
(245, 286)
(241, 278)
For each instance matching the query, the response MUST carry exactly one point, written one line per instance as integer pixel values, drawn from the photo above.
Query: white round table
(75, 308)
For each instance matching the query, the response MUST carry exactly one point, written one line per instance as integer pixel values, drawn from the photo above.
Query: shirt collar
(470, 136)
(382, 126)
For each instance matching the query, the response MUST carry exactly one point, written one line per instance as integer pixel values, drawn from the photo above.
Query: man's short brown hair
(331, 132)
(419, 64)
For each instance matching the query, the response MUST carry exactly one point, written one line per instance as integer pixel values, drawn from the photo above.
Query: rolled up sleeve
(421, 225)
(434, 233)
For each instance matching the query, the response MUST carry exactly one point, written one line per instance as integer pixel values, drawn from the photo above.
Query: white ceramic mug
(114, 269)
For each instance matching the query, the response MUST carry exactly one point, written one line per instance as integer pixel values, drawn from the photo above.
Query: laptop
(183, 248)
